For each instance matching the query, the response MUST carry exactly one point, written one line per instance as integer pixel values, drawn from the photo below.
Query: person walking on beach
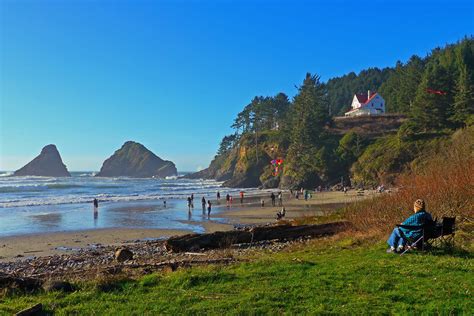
(203, 202)
(192, 200)
(209, 206)
(241, 197)
(280, 199)
(227, 198)
(262, 202)
(218, 195)
(96, 209)
(272, 196)
(189, 203)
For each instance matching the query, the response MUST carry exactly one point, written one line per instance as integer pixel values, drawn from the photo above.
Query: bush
(444, 181)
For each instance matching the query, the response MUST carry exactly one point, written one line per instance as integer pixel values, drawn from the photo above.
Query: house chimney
(368, 94)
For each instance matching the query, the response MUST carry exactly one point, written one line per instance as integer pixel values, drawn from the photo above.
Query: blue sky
(90, 75)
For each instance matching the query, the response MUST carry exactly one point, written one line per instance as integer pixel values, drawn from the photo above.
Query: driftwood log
(194, 242)
(33, 310)
(23, 284)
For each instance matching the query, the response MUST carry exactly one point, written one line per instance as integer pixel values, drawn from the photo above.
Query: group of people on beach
(303, 192)
(273, 199)
(190, 200)
(230, 199)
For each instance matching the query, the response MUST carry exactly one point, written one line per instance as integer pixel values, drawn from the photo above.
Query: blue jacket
(417, 219)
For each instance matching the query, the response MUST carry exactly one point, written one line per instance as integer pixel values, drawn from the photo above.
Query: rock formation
(238, 168)
(47, 164)
(135, 160)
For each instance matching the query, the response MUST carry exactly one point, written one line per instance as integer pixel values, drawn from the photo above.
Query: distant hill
(135, 160)
(47, 164)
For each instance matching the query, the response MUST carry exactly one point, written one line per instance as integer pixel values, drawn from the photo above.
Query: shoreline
(21, 247)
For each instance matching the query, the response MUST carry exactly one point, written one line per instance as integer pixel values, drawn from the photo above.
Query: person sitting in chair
(397, 239)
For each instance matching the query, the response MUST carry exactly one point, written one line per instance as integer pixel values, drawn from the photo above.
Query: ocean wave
(6, 174)
(63, 186)
(22, 191)
(106, 197)
(106, 186)
(88, 199)
(41, 178)
(90, 174)
(21, 188)
(36, 187)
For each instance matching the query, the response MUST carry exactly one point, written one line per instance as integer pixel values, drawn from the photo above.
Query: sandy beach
(251, 211)
(223, 218)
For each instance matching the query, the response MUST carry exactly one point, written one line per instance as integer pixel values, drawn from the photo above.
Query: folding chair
(428, 231)
(432, 230)
(446, 232)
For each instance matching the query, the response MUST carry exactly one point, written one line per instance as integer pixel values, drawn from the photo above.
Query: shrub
(444, 181)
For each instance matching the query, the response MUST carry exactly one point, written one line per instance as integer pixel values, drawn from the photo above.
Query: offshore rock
(136, 161)
(47, 164)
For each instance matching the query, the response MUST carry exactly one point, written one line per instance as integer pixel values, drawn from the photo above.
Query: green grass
(309, 279)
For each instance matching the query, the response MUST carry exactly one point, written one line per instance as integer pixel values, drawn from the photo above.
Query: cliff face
(239, 167)
(47, 164)
(221, 168)
(135, 160)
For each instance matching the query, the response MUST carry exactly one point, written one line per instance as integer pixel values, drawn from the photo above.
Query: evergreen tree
(463, 110)
(227, 143)
(399, 90)
(350, 148)
(310, 116)
(431, 111)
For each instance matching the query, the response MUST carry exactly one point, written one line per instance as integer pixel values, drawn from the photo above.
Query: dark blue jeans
(395, 240)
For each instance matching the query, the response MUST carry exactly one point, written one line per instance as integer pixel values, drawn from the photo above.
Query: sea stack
(136, 161)
(47, 164)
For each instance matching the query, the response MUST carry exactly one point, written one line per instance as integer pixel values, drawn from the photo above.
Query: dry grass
(444, 181)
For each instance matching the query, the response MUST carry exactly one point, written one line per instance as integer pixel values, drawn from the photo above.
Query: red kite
(436, 91)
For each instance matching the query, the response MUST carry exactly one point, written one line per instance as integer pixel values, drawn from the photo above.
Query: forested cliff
(428, 99)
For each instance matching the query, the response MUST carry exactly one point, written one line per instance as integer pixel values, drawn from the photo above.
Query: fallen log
(33, 310)
(23, 284)
(288, 232)
(194, 242)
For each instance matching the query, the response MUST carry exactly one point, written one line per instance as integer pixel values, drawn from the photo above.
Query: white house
(367, 104)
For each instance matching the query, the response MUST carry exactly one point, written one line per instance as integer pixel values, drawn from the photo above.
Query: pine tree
(431, 111)
(310, 116)
(463, 109)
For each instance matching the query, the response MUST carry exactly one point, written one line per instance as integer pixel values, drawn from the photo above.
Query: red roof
(363, 97)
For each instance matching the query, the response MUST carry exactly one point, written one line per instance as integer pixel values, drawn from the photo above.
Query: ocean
(30, 205)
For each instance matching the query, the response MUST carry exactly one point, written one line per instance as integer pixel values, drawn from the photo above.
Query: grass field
(320, 277)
